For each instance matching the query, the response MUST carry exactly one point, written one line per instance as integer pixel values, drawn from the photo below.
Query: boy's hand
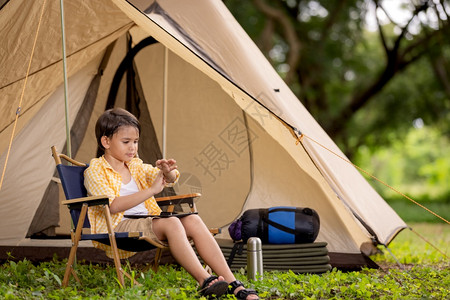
(167, 166)
(159, 183)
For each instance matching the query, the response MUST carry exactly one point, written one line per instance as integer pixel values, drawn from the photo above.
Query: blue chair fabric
(72, 181)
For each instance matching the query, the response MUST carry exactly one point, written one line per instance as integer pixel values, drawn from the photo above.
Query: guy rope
(19, 108)
(299, 140)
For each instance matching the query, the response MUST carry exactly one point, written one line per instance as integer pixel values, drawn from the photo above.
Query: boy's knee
(173, 221)
(192, 219)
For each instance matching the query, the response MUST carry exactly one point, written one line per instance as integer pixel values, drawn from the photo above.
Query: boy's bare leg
(207, 246)
(172, 230)
(176, 233)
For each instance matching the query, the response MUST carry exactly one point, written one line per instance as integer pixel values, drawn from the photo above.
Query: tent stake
(63, 40)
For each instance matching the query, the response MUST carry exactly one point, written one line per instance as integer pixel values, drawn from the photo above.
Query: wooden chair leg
(112, 239)
(73, 250)
(157, 259)
(74, 274)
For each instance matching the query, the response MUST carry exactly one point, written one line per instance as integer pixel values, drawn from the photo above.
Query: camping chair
(72, 180)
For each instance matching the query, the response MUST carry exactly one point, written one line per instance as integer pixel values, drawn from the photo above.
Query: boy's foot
(214, 287)
(237, 288)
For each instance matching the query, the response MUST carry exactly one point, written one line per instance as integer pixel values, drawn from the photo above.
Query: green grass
(426, 275)
(417, 245)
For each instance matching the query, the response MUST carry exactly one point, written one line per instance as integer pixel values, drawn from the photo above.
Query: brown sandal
(214, 290)
(242, 294)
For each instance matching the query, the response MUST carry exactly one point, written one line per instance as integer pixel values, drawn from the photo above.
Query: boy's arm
(122, 203)
(172, 177)
(97, 185)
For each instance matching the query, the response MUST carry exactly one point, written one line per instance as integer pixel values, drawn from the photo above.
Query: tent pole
(63, 40)
(166, 78)
(401, 266)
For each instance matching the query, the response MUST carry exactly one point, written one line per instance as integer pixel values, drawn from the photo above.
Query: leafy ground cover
(424, 274)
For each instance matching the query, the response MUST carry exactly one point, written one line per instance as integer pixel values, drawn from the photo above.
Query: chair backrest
(72, 181)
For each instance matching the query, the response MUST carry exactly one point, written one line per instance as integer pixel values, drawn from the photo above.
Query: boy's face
(123, 145)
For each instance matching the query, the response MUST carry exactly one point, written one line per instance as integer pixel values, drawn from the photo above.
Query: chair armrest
(171, 201)
(90, 201)
(215, 231)
(177, 199)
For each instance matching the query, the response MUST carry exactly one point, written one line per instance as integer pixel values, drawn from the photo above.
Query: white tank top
(128, 189)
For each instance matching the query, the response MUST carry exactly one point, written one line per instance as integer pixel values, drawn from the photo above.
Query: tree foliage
(358, 83)
(412, 166)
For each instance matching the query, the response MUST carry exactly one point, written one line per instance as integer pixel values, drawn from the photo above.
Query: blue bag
(278, 225)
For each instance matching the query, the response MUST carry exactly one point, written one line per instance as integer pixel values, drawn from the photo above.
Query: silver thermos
(254, 259)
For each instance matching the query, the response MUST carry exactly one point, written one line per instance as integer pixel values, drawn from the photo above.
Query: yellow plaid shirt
(101, 179)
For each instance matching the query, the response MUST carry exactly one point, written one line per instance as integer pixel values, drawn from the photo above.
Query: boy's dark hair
(111, 120)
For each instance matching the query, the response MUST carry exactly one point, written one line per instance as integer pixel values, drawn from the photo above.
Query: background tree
(358, 84)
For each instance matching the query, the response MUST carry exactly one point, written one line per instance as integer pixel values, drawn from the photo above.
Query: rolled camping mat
(303, 261)
(228, 243)
(299, 258)
(296, 269)
(283, 253)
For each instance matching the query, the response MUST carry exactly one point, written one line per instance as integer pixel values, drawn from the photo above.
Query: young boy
(131, 185)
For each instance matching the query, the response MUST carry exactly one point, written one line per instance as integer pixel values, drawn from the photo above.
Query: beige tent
(206, 96)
